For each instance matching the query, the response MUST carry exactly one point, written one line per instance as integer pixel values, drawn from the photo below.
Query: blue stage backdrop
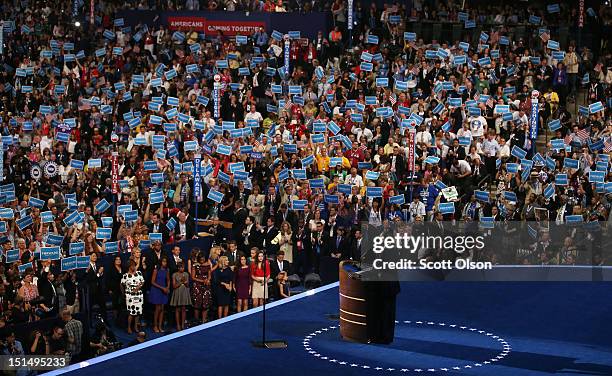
(231, 23)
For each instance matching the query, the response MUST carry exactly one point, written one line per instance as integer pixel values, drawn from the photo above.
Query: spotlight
(77, 24)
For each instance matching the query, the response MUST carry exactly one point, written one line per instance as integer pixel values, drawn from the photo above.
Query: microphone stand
(274, 343)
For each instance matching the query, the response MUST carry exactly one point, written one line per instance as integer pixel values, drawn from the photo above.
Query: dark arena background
(345, 187)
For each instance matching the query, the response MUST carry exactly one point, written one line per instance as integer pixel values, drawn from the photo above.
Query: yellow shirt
(322, 163)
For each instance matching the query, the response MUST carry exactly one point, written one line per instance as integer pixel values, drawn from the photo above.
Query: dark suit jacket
(267, 237)
(239, 218)
(274, 268)
(343, 247)
(254, 237)
(355, 250)
(172, 266)
(189, 230)
(162, 229)
(46, 291)
(291, 218)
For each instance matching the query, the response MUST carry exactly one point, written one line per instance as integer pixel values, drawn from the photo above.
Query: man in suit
(355, 251)
(250, 235)
(46, 290)
(157, 227)
(271, 203)
(398, 165)
(338, 244)
(155, 254)
(279, 265)
(94, 281)
(184, 228)
(174, 259)
(284, 214)
(317, 246)
(268, 234)
(239, 218)
(232, 253)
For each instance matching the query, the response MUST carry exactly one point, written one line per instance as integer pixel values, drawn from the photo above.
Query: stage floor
(496, 328)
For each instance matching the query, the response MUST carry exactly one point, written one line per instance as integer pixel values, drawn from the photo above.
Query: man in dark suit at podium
(380, 312)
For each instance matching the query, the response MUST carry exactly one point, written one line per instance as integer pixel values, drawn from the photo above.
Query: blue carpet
(468, 328)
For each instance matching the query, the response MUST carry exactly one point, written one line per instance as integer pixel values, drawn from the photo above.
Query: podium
(353, 307)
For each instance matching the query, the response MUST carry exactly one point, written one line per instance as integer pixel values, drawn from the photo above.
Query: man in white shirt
(478, 125)
(417, 208)
(353, 178)
(253, 114)
(462, 171)
(362, 130)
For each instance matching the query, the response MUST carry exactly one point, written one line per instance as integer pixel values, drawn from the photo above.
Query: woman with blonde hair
(213, 258)
(224, 284)
(286, 241)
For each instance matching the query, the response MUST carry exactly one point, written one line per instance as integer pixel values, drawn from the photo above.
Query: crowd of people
(101, 127)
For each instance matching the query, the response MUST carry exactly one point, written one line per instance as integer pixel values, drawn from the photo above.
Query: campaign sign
(103, 233)
(50, 253)
(215, 196)
(76, 248)
(446, 207)
(46, 217)
(68, 263)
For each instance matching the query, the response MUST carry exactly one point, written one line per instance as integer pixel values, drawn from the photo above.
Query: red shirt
(259, 272)
(354, 156)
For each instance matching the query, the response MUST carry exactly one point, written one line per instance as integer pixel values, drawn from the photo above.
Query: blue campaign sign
(372, 175)
(518, 152)
(570, 163)
(374, 192)
(215, 196)
(512, 168)
(103, 233)
(22, 268)
(68, 263)
(156, 197)
(298, 204)
(332, 199)
(82, 262)
(46, 217)
(345, 188)
(113, 247)
(510, 196)
(397, 200)
(487, 222)
(76, 248)
(50, 253)
(600, 166)
(150, 165)
(597, 177)
(316, 183)
(482, 195)
(55, 239)
(12, 255)
(102, 206)
(549, 190)
(561, 179)
(446, 207)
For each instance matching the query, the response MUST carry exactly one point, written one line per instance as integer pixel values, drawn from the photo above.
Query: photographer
(103, 340)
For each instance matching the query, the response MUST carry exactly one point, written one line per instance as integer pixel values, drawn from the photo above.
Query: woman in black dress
(224, 282)
(113, 284)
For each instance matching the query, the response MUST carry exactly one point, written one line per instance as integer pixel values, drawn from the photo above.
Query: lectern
(353, 308)
(367, 305)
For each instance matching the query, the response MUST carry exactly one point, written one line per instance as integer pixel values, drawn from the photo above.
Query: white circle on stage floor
(505, 351)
